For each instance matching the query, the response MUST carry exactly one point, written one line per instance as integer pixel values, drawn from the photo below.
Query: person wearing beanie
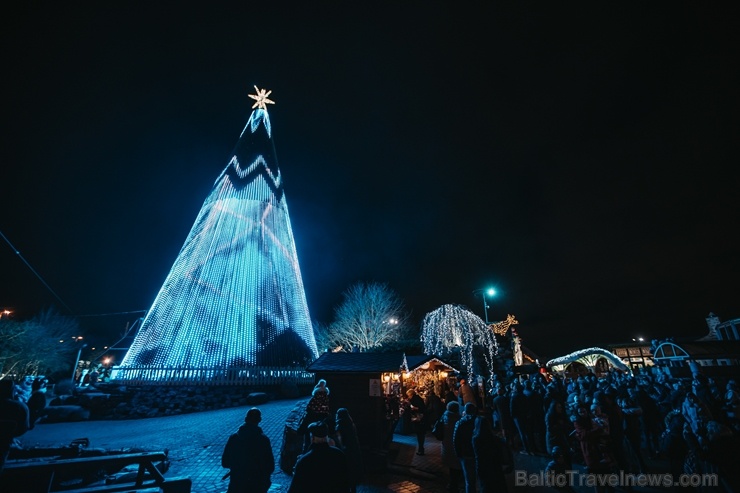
(248, 456)
(323, 468)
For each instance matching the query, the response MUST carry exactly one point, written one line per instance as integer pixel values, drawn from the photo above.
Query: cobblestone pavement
(196, 441)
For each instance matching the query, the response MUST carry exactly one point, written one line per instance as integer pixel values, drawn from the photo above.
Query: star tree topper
(260, 98)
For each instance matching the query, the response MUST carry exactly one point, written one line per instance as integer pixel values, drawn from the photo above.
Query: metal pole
(77, 361)
(485, 305)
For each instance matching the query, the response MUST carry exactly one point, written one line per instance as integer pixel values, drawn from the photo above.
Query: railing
(256, 375)
(248, 376)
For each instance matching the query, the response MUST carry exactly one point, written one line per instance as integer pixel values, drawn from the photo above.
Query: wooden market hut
(430, 372)
(369, 385)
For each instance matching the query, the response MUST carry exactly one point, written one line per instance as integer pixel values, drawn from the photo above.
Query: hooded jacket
(248, 454)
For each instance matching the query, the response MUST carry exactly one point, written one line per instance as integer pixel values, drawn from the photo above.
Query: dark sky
(581, 159)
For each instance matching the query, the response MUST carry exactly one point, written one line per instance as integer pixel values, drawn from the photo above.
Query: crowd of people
(21, 407)
(642, 423)
(611, 423)
(331, 461)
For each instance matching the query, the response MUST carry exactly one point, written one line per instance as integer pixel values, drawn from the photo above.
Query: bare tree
(40, 345)
(322, 337)
(370, 318)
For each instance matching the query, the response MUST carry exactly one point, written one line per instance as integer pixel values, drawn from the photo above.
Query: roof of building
(703, 349)
(428, 362)
(376, 362)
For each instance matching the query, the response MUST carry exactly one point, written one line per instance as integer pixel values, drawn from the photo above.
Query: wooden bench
(52, 475)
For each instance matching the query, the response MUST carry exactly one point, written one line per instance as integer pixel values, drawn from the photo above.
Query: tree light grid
(234, 296)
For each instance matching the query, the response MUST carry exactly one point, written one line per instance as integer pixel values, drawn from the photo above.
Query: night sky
(580, 159)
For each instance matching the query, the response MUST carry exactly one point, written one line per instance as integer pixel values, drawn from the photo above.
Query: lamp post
(483, 292)
(77, 361)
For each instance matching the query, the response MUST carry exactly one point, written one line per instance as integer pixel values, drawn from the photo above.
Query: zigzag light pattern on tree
(234, 296)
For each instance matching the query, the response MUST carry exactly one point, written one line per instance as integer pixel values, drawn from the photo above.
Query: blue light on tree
(234, 296)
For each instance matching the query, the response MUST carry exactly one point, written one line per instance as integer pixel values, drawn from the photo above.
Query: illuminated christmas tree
(234, 297)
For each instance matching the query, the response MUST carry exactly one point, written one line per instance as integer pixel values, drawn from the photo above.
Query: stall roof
(416, 362)
(375, 362)
(359, 362)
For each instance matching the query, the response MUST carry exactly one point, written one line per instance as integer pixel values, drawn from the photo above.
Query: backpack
(439, 429)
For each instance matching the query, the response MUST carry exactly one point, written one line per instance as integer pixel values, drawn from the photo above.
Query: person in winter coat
(520, 414)
(558, 428)
(14, 415)
(535, 417)
(696, 414)
(674, 446)
(248, 456)
(317, 409)
(418, 418)
(632, 413)
(593, 434)
(501, 405)
(37, 402)
(465, 394)
(435, 407)
(489, 463)
(462, 439)
(449, 419)
(323, 468)
(347, 442)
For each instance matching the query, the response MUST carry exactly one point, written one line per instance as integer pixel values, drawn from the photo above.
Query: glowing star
(260, 98)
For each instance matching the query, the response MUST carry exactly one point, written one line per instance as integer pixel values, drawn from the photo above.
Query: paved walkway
(196, 441)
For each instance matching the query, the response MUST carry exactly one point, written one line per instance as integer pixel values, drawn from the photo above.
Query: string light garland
(455, 329)
(500, 328)
(234, 296)
(588, 357)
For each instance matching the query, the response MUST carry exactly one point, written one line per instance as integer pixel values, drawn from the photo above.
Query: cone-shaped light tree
(234, 296)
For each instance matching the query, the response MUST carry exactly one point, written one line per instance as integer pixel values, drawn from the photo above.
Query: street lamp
(483, 293)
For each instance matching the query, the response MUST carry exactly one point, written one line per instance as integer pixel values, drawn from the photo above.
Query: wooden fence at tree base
(248, 376)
